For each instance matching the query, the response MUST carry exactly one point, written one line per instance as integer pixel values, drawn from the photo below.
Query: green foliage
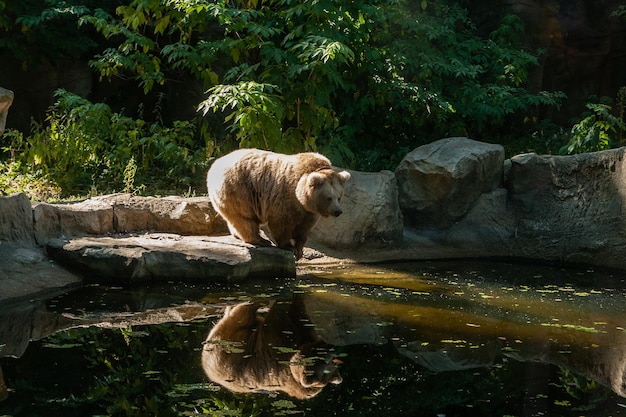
(357, 80)
(256, 112)
(363, 82)
(580, 389)
(620, 12)
(598, 129)
(129, 177)
(547, 138)
(16, 178)
(33, 31)
(84, 146)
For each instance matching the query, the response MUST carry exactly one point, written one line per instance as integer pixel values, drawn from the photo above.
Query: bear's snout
(336, 212)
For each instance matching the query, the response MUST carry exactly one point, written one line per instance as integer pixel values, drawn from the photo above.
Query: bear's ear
(315, 179)
(344, 176)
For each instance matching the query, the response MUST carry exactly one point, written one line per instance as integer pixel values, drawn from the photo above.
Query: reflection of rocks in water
(22, 323)
(442, 359)
(605, 365)
(423, 334)
(246, 352)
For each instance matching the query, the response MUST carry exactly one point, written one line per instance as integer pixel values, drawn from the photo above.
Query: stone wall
(371, 216)
(552, 208)
(455, 198)
(570, 208)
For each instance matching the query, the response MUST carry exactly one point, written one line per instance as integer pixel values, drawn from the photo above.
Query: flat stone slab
(27, 273)
(165, 257)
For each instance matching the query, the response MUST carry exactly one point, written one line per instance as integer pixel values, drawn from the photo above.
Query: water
(414, 339)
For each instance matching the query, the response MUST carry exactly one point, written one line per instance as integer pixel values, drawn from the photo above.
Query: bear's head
(321, 191)
(314, 366)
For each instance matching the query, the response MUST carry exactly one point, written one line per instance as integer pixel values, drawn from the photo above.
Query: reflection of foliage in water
(380, 381)
(147, 371)
(586, 393)
(154, 371)
(128, 372)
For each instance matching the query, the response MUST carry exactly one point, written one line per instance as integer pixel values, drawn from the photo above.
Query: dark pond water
(418, 339)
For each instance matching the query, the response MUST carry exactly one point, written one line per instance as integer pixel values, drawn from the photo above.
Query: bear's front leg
(298, 245)
(281, 233)
(247, 230)
(301, 233)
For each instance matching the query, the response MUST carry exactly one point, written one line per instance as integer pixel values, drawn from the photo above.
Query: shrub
(83, 146)
(599, 128)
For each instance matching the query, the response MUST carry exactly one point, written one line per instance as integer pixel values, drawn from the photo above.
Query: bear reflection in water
(280, 351)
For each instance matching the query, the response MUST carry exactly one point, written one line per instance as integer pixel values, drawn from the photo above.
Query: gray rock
(371, 214)
(133, 259)
(25, 270)
(486, 230)
(570, 208)
(438, 183)
(122, 213)
(551, 208)
(16, 219)
(89, 217)
(172, 214)
(27, 273)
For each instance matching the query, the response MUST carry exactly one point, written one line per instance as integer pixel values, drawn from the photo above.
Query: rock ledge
(163, 257)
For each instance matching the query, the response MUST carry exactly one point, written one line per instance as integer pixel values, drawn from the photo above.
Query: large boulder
(570, 208)
(27, 273)
(6, 99)
(551, 208)
(371, 214)
(439, 183)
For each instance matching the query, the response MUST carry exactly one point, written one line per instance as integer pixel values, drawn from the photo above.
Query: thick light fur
(287, 193)
(245, 352)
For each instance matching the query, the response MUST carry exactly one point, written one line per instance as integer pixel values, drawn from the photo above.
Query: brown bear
(252, 188)
(246, 352)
